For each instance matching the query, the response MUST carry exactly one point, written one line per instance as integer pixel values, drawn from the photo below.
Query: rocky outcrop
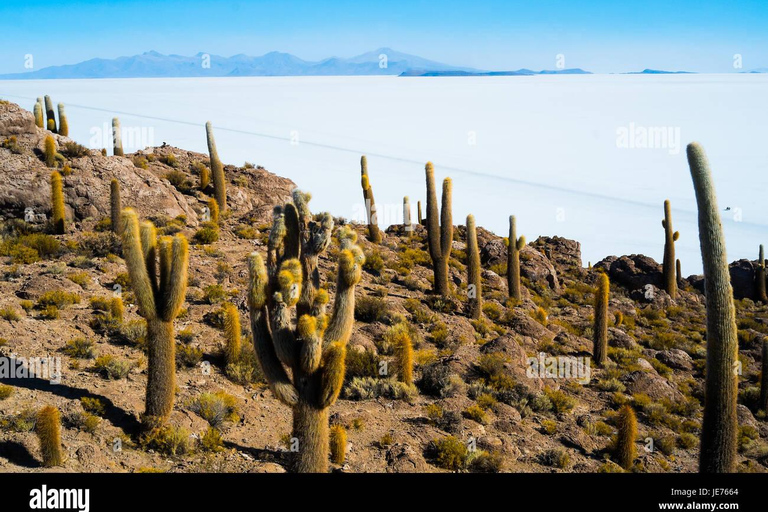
(534, 265)
(633, 272)
(563, 253)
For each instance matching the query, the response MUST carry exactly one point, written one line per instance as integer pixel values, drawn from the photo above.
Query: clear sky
(600, 35)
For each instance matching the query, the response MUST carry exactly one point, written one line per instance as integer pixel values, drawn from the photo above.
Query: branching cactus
(719, 427)
(117, 138)
(217, 170)
(115, 205)
(50, 116)
(600, 350)
(312, 351)
(63, 125)
(57, 204)
(407, 216)
(439, 229)
(374, 234)
(513, 260)
(760, 278)
(474, 279)
(39, 116)
(160, 299)
(670, 237)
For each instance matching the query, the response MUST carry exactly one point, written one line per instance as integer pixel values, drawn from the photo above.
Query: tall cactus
(513, 260)
(117, 138)
(418, 213)
(115, 205)
(232, 332)
(474, 279)
(374, 234)
(63, 124)
(670, 237)
(407, 226)
(57, 204)
(600, 329)
(50, 116)
(39, 116)
(217, 170)
(160, 299)
(625, 438)
(315, 348)
(439, 229)
(719, 426)
(760, 278)
(678, 272)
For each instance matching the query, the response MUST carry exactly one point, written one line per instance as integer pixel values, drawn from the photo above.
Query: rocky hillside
(473, 384)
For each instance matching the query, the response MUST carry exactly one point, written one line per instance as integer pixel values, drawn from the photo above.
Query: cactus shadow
(18, 454)
(262, 454)
(118, 417)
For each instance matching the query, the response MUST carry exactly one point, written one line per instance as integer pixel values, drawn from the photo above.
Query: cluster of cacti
(439, 230)
(160, 299)
(115, 206)
(407, 216)
(760, 292)
(117, 138)
(474, 272)
(217, 170)
(48, 430)
(374, 234)
(669, 273)
(232, 333)
(57, 204)
(600, 328)
(50, 116)
(719, 427)
(315, 349)
(625, 437)
(514, 246)
(39, 113)
(63, 124)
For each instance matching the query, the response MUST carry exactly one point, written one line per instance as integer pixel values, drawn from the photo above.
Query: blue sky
(600, 35)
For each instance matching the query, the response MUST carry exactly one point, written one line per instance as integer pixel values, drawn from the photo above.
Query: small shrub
(187, 355)
(371, 309)
(80, 278)
(10, 314)
(5, 391)
(50, 312)
(206, 234)
(93, 405)
(168, 440)
(555, 458)
(58, 298)
(215, 293)
(561, 402)
(374, 263)
(449, 453)
(476, 413)
(109, 367)
(215, 408)
(79, 348)
(484, 462)
(212, 441)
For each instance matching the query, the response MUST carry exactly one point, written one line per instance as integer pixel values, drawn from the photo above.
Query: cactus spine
(719, 427)
(600, 350)
(760, 277)
(374, 235)
(670, 237)
(217, 170)
(160, 301)
(50, 115)
(48, 430)
(407, 216)
(63, 125)
(117, 138)
(625, 439)
(232, 332)
(39, 116)
(57, 204)
(513, 260)
(439, 229)
(115, 205)
(474, 280)
(314, 350)
(338, 444)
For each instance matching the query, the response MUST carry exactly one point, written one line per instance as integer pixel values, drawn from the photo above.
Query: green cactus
(63, 125)
(39, 116)
(513, 260)
(625, 437)
(50, 115)
(57, 204)
(600, 329)
(760, 278)
(670, 237)
(418, 210)
(407, 226)
(217, 170)
(160, 299)
(232, 333)
(678, 272)
(117, 138)
(374, 234)
(439, 230)
(49, 151)
(48, 430)
(315, 349)
(474, 279)
(115, 205)
(719, 427)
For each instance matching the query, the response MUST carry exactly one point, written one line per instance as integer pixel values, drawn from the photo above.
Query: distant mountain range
(383, 61)
(519, 72)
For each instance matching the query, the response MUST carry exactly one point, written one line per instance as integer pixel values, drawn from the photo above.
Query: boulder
(651, 384)
(563, 253)
(675, 358)
(633, 272)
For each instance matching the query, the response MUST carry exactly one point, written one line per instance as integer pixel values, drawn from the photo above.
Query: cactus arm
(719, 427)
(332, 371)
(117, 138)
(311, 344)
(175, 290)
(351, 261)
(292, 239)
(136, 263)
(165, 255)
